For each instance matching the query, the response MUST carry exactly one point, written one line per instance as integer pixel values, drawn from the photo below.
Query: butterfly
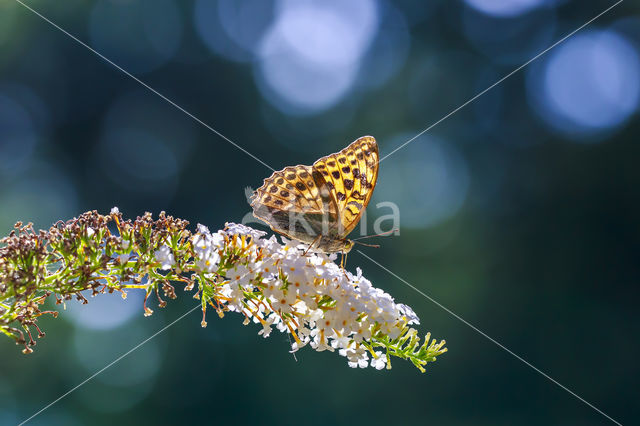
(321, 204)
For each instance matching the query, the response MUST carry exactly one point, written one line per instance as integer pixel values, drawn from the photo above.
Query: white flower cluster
(164, 256)
(307, 295)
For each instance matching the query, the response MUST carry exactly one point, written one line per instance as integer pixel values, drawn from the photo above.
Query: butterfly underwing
(321, 204)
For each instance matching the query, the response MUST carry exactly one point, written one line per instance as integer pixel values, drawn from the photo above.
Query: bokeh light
(433, 176)
(231, 28)
(105, 311)
(588, 85)
(506, 8)
(325, 33)
(309, 57)
(137, 35)
(130, 380)
(388, 51)
(98, 348)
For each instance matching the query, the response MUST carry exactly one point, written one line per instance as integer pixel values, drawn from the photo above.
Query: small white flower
(380, 361)
(407, 312)
(90, 231)
(208, 262)
(200, 243)
(328, 271)
(239, 275)
(165, 257)
(239, 229)
(270, 244)
(266, 326)
(217, 240)
(115, 210)
(202, 229)
(282, 301)
(315, 315)
(357, 357)
(341, 342)
(394, 332)
(267, 268)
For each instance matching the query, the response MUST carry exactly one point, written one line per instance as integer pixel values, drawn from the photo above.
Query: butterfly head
(348, 245)
(327, 244)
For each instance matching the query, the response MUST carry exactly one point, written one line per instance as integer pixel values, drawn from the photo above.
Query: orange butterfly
(321, 204)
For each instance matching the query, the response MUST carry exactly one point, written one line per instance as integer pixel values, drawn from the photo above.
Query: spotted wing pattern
(328, 198)
(294, 202)
(350, 177)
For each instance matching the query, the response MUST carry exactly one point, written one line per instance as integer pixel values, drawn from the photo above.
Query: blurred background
(519, 212)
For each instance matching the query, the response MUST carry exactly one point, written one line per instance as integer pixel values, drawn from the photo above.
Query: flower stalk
(275, 285)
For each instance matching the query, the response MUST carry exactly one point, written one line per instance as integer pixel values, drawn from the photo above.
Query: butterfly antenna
(367, 245)
(376, 235)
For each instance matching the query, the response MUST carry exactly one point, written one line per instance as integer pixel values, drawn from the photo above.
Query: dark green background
(542, 255)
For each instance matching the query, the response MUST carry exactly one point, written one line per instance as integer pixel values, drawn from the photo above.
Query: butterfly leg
(311, 245)
(343, 263)
(343, 260)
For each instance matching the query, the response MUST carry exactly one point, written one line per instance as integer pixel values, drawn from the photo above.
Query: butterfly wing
(296, 202)
(351, 176)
